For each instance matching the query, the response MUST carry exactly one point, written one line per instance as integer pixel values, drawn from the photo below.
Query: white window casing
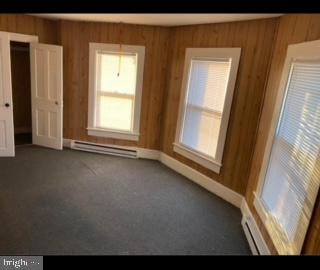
(115, 90)
(290, 174)
(207, 89)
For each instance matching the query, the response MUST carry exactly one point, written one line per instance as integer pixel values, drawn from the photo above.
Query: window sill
(198, 158)
(121, 135)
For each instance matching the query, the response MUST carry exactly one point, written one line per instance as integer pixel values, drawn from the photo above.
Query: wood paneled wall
(260, 40)
(255, 38)
(46, 30)
(292, 29)
(75, 38)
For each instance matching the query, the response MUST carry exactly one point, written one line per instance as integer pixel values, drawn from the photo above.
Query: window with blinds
(115, 90)
(208, 83)
(115, 94)
(208, 80)
(293, 172)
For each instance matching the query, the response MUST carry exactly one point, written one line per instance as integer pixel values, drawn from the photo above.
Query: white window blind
(208, 80)
(116, 86)
(293, 173)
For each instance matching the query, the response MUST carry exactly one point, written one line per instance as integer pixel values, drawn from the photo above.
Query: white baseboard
(252, 232)
(67, 143)
(203, 180)
(148, 153)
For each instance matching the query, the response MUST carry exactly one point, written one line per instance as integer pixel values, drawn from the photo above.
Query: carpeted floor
(72, 202)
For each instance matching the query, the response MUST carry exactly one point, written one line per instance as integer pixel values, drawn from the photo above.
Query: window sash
(203, 110)
(278, 233)
(100, 94)
(214, 113)
(272, 221)
(221, 55)
(98, 67)
(189, 106)
(105, 93)
(95, 51)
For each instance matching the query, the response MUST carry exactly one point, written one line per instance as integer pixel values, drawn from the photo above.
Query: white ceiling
(159, 19)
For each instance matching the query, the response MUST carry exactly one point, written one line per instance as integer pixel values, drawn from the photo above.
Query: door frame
(18, 38)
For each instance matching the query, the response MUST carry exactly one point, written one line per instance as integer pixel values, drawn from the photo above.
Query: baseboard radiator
(104, 149)
(250, 236)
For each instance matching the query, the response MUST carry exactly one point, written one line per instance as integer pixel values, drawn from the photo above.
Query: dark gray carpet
(72, 202)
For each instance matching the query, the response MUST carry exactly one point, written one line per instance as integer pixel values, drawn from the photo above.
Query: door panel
(46, 92)
(6, 108)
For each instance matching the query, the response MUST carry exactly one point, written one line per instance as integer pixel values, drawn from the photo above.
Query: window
(116, 75)
(291, 177)
(207, 89)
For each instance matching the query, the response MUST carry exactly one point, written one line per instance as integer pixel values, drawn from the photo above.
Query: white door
(46, 95)
(6, 109)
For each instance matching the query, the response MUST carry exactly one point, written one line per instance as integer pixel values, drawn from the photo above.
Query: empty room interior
(159, 134)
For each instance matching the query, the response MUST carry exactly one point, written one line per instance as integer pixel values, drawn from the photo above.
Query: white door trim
(6, 69)
(22, 37)
(6, 109)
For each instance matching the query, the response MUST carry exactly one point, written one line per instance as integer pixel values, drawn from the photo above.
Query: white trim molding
(67, 143)
(130, 136)
(21, 37)
(231, 55)
(213, 186)
(300, 52)
(255, 239)
(197, 157)
(105, 48)
(148, 153)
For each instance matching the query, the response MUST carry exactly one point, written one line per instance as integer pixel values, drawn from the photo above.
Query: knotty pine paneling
(292, 29)
(255, 38)
(165, 48)
(75, 38)
(45, 29)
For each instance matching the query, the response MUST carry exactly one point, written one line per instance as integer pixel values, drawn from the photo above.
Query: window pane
(207, 87)
(293, 174)
(117, 73)
(115, 113)
(201, 130)
(208, 83)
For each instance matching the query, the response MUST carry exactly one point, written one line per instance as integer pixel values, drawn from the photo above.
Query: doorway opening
(21, 92)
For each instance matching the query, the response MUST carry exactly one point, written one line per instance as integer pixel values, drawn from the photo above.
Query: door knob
(7, 105)
(56, 103)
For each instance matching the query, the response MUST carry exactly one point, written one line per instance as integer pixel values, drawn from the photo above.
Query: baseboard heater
(104, 149)
(252, 243)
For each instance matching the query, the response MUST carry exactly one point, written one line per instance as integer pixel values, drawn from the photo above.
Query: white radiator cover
(104, 149)
(255, 239)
